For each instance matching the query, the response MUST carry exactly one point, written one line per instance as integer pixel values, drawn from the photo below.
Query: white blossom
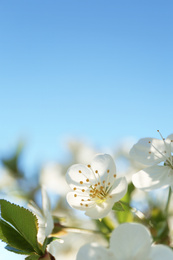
(45, 219)
(129, 241)
(53, 178)
(81, 152)
(157, 155)
(96, 186)
(7, 180)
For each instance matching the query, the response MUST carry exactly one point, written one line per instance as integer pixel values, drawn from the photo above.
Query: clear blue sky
(97, 69)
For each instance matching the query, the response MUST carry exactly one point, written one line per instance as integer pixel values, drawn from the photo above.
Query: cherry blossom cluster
(97, 186)
(102, 194)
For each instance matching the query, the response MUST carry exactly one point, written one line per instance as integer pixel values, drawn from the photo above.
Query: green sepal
(126, 215)
(118, 206)
(47, 241)
(24, 221)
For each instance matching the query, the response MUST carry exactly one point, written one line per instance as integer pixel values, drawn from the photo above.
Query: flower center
(169, 162)
(166, 154)
(99, 194)
(95, 190)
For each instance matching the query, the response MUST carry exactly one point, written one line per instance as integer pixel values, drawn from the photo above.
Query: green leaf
(33, 257)
(10, 236)
(106, 226)
(125, 216)
(12, 163)
(17, 251)
(23, 221)
(118, 206)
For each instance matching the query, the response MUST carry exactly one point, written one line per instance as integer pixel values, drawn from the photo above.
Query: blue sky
(100, 70)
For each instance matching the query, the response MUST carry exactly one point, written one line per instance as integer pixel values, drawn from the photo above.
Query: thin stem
(168, 201)
(77, 229)
(81, 230)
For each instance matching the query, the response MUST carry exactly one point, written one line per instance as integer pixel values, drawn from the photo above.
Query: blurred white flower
(68, 249)
(152, 152)
(7, 181)
(144, 201)
(129, 241)
(81, 152)
(73, 241)
(139, 200)
(45, 220)
(126, 166)
(53, 178)
(95, 187)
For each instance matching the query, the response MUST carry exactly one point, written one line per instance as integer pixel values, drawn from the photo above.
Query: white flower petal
(100, 210)
(35, 209)
(41, 221)
(52, 178)
(104, 165)
(153, 177)
(169, 140)
(160, 252)
(119, 189)
(78, 176)
(75, 200)
(130, 241)
(148, 153)
(49, 224)
(45, 201)
(94, 252)
(44, 217)
(55, 247)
